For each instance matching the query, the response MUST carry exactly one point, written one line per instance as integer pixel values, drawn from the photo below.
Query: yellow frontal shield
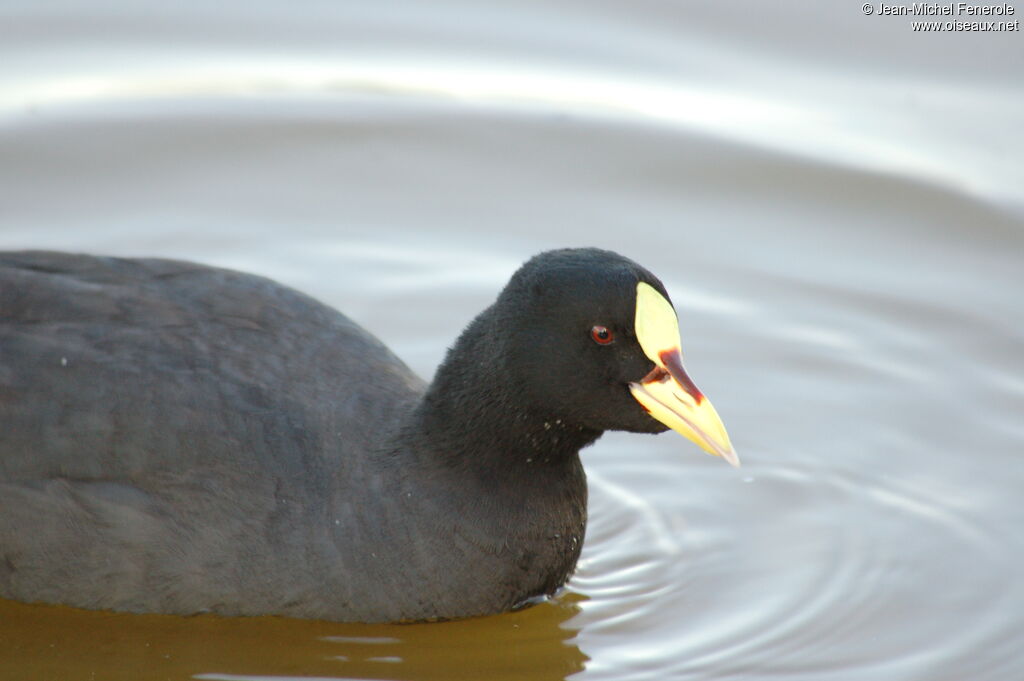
(667, 393)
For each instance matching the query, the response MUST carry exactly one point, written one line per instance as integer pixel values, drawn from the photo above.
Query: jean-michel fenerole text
(945, 9)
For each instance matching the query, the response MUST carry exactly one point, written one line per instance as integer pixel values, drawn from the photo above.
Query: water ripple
(805, 128)
(828, 583)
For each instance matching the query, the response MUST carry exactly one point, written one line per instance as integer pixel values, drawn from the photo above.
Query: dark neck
(474, 415)
(472, 450)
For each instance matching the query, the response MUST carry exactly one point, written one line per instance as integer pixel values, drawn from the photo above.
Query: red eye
(602, 335)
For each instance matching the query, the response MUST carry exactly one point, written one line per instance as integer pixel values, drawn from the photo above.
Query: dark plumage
(179, 438)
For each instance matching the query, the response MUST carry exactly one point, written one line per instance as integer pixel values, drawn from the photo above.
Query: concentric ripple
(831, 574)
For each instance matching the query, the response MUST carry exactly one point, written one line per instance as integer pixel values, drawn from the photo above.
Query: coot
(179, 438)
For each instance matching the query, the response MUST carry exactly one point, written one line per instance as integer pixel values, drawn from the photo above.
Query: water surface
(844, 240)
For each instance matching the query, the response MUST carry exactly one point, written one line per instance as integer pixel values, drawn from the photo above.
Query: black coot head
(566, 323)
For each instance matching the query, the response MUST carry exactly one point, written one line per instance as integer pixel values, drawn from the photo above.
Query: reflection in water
(50, 642)
(763, 120)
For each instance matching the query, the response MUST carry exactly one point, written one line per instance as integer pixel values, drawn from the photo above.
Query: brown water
(835, 203)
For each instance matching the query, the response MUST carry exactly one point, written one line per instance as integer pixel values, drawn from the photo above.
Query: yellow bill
(667, 393)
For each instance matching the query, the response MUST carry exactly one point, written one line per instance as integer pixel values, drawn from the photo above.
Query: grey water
(834, 201)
